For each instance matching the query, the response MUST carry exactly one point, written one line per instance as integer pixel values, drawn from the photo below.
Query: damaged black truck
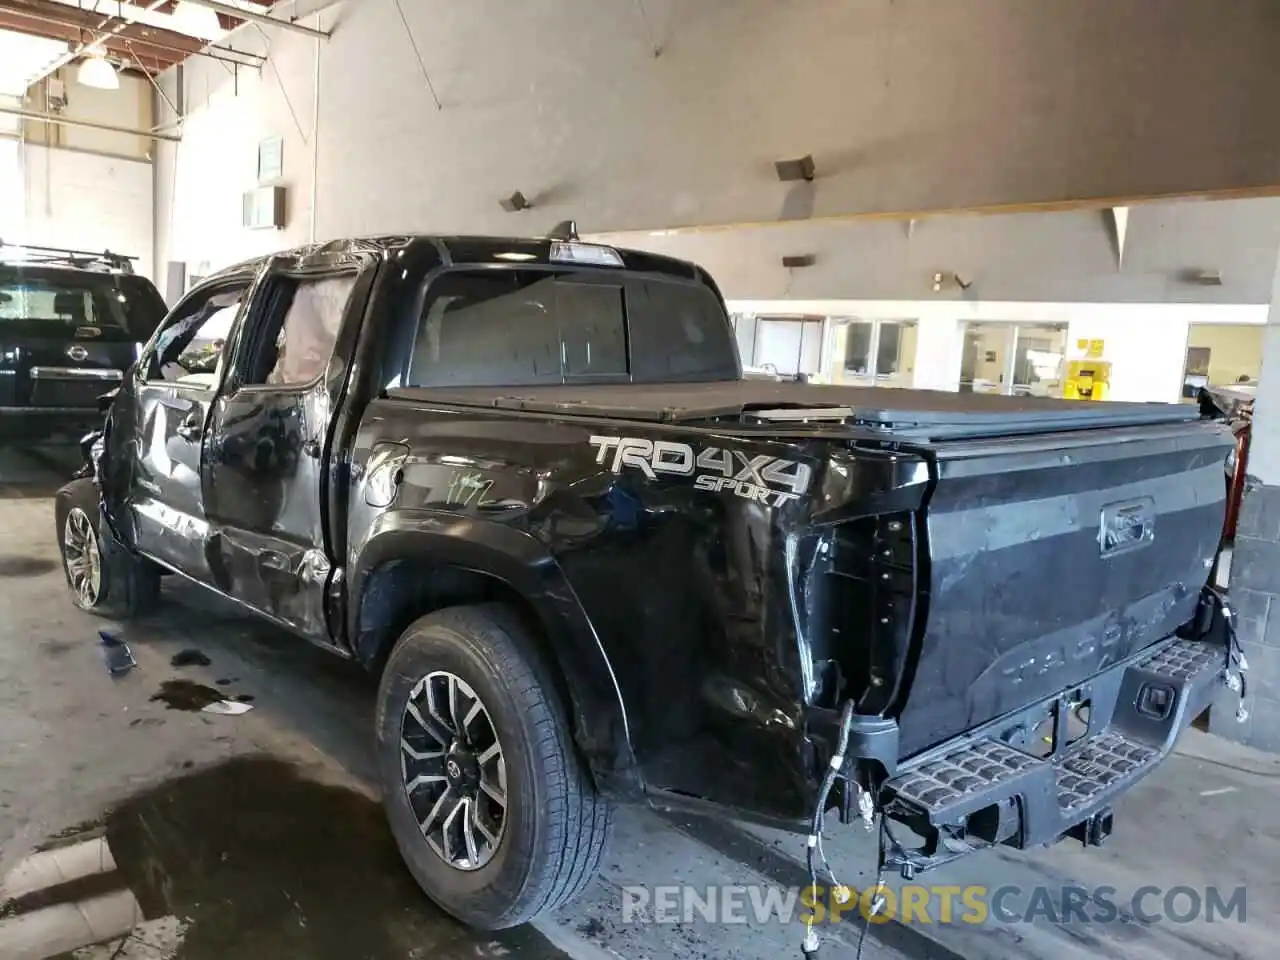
(524, 482)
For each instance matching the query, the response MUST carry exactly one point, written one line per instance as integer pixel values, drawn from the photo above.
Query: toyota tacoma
(525, 482)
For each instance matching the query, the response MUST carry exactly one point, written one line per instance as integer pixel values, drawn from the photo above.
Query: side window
(300, 329)
(190, 348)
(518, 328)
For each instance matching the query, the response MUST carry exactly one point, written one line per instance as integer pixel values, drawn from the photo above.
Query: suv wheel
(492, 811)
(104, 578)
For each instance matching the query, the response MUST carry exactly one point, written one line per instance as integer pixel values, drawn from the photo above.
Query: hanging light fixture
(197, 20)
(96, 71)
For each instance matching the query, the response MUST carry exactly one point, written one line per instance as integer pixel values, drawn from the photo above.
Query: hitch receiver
(1094, 831)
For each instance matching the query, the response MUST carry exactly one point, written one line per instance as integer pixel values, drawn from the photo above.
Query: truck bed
(919, 415)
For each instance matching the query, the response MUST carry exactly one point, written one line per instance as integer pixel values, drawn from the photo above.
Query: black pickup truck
(71, 323)
(525, 482)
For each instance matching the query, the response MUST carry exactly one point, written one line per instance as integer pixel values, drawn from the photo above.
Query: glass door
(872, 353)
(1013, 359)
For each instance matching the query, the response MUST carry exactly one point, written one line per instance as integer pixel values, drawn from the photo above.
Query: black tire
(128, 586)
(556, 825)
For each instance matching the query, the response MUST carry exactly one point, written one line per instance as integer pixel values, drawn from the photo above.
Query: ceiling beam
(1261, 191)
(77, 49)
(160, 46)
(242, 14)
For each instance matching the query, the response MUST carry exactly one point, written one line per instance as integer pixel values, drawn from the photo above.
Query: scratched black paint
(707, 639)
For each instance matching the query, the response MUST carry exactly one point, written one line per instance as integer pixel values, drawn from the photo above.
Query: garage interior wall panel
(567, 102)
(88, 201)
(201, 181)
(1061, 256)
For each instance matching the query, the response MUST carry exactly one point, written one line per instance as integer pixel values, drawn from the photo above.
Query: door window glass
(191, 347)
(889, 350)
(299, 340)
(857, 349)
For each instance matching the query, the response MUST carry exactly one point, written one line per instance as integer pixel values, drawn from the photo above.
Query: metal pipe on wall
(91, 124)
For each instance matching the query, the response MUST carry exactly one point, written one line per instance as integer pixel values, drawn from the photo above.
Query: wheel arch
(413, 565)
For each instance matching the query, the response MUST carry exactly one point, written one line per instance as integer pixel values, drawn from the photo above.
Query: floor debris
(1217, 793)
(228, 708)
(190, 658)
(116, 654)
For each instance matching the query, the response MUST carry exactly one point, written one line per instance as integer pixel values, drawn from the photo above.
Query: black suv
(525, 482)
(71, 323)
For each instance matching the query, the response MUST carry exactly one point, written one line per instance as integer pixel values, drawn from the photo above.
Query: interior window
(517, 328)
(299, 339)
(857, 352)
(191, 347)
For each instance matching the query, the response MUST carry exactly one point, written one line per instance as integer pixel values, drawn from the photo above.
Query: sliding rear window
(511, 327)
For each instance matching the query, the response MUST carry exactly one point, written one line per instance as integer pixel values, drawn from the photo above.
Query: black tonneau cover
(913, 414)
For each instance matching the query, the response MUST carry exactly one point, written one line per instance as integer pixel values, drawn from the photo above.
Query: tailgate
(38, 369)
(1052, 557)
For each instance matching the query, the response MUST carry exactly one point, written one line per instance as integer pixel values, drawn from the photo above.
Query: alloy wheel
(454, 770)
(82, 556)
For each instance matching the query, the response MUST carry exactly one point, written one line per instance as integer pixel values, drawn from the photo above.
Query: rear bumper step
(1135, 712)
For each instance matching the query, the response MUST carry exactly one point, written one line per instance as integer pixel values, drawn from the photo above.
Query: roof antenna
(564, 230)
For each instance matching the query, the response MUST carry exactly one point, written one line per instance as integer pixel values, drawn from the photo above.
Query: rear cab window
(525, 327)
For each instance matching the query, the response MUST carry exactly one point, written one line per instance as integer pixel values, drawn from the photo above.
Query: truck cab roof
(465, 250)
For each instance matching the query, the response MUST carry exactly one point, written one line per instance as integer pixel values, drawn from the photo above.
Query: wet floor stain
(19, 566)
(190, 658)
(56, 648)
(257, 862)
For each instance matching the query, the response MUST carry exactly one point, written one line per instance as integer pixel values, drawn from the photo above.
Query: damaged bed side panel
(696, 558)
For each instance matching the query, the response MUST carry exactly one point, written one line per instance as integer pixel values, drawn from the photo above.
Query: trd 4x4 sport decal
(755, 477)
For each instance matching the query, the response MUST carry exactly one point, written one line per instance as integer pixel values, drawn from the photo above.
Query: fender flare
(601, 728)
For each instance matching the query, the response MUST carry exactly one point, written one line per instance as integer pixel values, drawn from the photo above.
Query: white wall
(128, 107)
(906, 105)
(1060, 256)
(200, 181)
(1145, 343)
(88, 201)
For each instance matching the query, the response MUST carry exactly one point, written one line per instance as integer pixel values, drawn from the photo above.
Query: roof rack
(80, 259)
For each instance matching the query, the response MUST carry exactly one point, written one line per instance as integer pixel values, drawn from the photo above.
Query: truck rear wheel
(492, 811)
(104, 577)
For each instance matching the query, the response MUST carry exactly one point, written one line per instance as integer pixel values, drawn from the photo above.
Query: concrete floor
(259, 836)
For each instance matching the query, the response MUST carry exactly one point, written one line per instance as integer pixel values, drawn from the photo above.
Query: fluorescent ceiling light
(97, 72)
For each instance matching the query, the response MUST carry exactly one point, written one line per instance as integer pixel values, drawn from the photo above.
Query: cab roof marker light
(585, 253)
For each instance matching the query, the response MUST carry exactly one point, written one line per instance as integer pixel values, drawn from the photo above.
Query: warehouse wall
(129, 106)
(905, 104)
(87, 201)
(77, 187)
(1062, 256)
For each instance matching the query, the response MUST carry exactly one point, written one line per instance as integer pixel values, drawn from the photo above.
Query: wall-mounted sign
(1091, 348)
(270, 158)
